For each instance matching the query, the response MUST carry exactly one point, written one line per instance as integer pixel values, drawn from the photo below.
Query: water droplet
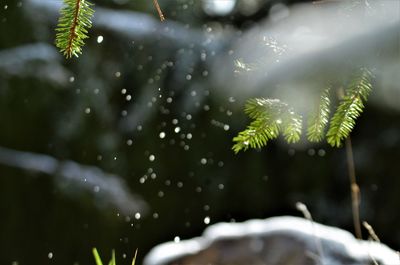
(177, 239)
(87, 110)
(50, 255)
(100, 39)
(207, 220)
(203, 161)
(129, 142)
(177, 129)
(311, 152)
(137, 216)
(321, 152)
(96, 189)
(162, 135)
(152, 158)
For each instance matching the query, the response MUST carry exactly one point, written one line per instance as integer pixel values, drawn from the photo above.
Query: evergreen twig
(73, 24)
(350, 108)
(319, 119)
(271, 117)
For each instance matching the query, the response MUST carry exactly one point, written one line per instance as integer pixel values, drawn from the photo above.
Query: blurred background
(129, 145)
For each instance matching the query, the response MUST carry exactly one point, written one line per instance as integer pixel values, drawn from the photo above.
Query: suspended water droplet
(137, 216)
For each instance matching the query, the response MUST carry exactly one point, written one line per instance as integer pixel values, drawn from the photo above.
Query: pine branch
(73, 24)
(271, 116)
(319, 119)
(350, 108)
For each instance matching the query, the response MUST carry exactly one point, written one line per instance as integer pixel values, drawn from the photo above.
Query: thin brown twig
(355, 190)
(160, 13)
(371, 231)
(304, 210)
(372, 237)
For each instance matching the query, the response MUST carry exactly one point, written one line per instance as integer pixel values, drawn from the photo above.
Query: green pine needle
(112, 261)
(271, 116)
(97, 257)
(73, 24)
(134, 258)
(350, 108)
(319, 119)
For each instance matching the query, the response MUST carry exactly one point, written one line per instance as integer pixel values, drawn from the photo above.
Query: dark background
(43, 112)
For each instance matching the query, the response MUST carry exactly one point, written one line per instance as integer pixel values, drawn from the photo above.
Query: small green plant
(272, 117)
(74, 23)
(112, 261)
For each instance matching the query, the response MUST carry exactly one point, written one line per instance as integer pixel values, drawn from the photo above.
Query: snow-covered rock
(277, 240)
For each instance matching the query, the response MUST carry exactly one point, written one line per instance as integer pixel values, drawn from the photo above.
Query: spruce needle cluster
(272, 117)
(73, 24)
(350, 108)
